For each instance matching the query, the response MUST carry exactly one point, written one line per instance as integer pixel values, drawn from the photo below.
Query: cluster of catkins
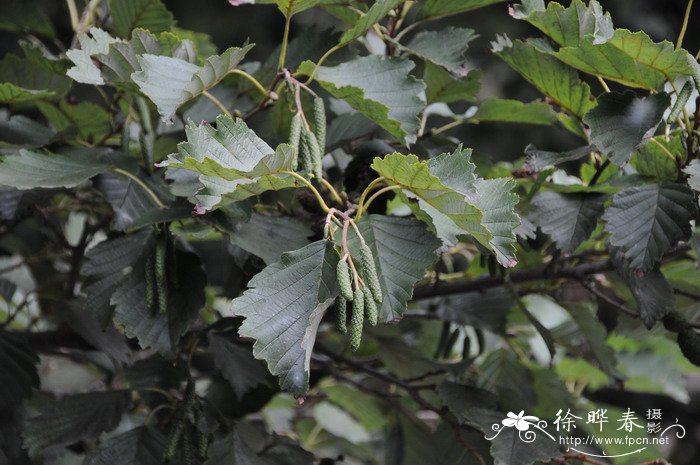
(363, 291)
(310, 145)
(188, 430)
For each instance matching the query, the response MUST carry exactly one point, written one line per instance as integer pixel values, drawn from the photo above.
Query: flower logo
(520, 421)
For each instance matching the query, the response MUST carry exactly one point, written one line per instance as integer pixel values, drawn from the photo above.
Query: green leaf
(448, 209)
(652, 292)
(170, 82)
(128, 15)
(365, 22)
(153, 329)
(591, 338)
(31, 78)
(431, 9)
(22, 132)
(646, 221)
(566, 26)
(18, 373)
(540, 160)
(21, 16)
(74, 418)
(630, 58)
(454, 201)
(442, 86)
(653, 161)
(693, 170)
(549, 75)
(85, 70)
(484, 310)
(568, 218)
(445, 47)
(620, 122)
(403, 249)
(237, 364)
(140, 446)
(269, 236)
(27, 170)
(91, 121)
(130, 202)
(11, 93)
(381, 89)
(291, 7)
(513, 111)
(283, 308)
(235, 449)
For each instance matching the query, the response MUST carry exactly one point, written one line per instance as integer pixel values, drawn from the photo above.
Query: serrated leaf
(513, 111)
(153, 329)
(484, 310)
(451, 199)
(693, 170)
(503, 374)
(11, 93)
(104, 269)
(590, 338)
(91, 122)
(630, 58)
(18, 373)
(85, 70)
(445, 47)
(365, 22)
(653, 161)
(646, 221)
(566, 26)
(621, 121)
(540, 160)
(291, 7)
(283, 308)
(442, 86)
(568, 218)
(20, 131)
(140, 446)
(403, 249)
(234, 449)
(128, 15)
(31, 78)
(120, 61)
(74, 418)
(237, 364)
(381, 89)
(27, 170)
(652, 292)
(431, 9)
(449, 210)
(170, 82)
(269, 236)
(549, 75)
(130, 202)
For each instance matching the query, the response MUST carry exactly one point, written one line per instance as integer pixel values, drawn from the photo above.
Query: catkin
(316, 156)
(371, 309)
(369, 271)
(320, 124)
(161, 274)
(294, 136)
(150, 281)
(341, 314)
(689, 343)
(174, 439)
(342, 272)
(358, 316)
(188, 448)
(305, 151)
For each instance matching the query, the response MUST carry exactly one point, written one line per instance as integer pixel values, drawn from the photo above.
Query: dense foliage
(207, 259)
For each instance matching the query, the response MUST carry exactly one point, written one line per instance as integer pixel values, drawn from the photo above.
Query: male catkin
(358, 316)
(320, 124)
(305, 151)
(341, 314)
(161, 274)
(294, 136)
(369, 271)
(370, 307)
(342, 272)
